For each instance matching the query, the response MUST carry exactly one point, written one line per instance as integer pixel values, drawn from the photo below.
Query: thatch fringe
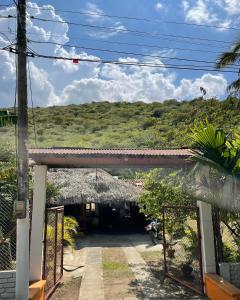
(91, 185)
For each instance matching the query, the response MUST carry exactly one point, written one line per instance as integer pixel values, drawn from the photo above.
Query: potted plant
(171, 251)
(187, 268)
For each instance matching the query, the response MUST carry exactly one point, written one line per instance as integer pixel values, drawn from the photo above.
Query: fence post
(38, 211)
(207, 236)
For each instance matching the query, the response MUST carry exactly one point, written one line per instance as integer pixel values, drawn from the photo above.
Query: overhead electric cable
(135, 32)
(87, 13)
(101, 61)
(121, 52)
(125, 43)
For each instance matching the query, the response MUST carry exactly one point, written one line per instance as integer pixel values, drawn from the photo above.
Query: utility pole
(22, 203)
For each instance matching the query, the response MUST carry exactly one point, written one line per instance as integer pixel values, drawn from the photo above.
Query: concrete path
(92, 281)
(149, 285)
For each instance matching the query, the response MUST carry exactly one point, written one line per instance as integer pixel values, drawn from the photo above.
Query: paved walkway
(92, 281)
(148, 284)
(92, 286)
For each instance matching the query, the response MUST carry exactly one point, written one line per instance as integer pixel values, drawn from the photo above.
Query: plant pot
(187, 270)
(171, 252)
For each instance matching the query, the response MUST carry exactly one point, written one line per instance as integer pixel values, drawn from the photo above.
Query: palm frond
(234, 86)
(227, 58)
(236, 47)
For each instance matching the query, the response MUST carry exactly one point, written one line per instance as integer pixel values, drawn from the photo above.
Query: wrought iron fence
(7, 231)
(53, 248)
(182, 246)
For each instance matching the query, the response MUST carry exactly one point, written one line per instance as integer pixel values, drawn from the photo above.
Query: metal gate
(53, 248)
(182, 246)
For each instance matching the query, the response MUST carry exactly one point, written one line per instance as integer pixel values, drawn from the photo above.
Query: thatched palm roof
(88, 185)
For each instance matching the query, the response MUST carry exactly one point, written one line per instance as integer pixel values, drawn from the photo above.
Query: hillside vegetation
(127, 125)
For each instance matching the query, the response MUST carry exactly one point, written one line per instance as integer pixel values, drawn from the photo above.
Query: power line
(130, 44)
(122, 52)
(138, 64)
(124, 43)
(128, 17)
(135, 32)
(133, 18)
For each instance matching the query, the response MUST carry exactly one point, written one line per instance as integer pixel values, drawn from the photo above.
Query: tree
(158, 192)
(214, 148)
(229, 58)
(220, 152)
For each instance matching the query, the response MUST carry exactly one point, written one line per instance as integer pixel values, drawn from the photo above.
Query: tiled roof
(128, 152)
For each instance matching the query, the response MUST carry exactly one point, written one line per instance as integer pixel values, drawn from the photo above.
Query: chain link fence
(7, 231)
(53, 248)
(226, 226)
(182, 246)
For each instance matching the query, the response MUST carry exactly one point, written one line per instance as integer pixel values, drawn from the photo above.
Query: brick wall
(231, 273)
(7, 285)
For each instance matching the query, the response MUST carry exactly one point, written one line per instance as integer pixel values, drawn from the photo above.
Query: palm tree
(215, 149)
(229, 58)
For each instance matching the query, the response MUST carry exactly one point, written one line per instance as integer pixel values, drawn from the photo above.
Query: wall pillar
(38, 217)
(206, 227)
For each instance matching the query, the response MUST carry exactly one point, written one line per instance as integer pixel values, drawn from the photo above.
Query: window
(90, 207)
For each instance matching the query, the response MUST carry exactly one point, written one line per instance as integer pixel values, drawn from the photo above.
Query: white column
(206, 226)
(38, 214)
(22, 259)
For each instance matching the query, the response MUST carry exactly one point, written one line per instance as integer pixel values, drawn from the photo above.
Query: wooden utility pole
(22, 203)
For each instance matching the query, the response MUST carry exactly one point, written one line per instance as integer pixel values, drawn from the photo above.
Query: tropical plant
(219, 183)
(214, 148)
(158, 192)
(52, 192)
(229, 58)
(162, 189)
(70, 229)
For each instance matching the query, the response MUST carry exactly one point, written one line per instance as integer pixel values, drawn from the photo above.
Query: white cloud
(185, 5)
(96, 16)
(94, 13)
(42, 87)
(115, 84)
(213, 12)
(215, 85)
(232, 6)
(159, 6)
(199, 13)
(115, 29)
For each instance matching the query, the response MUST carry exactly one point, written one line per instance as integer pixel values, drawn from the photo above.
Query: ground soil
(119, 281)
(67, 290)
(154, 259)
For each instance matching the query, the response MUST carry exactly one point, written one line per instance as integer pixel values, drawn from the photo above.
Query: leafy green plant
(70, 229)
(158, 192)
(214, 148)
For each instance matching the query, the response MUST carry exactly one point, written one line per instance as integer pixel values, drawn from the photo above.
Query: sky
(139, 31)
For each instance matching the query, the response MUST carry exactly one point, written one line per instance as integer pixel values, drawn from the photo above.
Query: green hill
(127, 125)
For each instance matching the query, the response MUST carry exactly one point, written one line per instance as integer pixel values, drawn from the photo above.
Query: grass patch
(119, 280)
(114, 263)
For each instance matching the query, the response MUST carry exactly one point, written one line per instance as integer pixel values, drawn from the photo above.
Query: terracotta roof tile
(86, 151)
